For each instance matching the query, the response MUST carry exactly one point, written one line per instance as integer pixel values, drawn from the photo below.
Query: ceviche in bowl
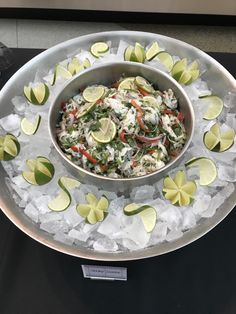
(121, 122)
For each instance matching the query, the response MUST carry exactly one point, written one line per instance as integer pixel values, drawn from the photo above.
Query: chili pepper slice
(180, 116)
(86, 154)
(168, 111)
(139, 116)
(143, 92)
(122, 136)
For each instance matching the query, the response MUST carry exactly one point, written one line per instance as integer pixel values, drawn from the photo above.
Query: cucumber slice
(28, 127)
(99, 49)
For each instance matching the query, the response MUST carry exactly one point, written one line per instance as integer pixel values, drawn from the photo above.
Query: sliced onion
(145, 139)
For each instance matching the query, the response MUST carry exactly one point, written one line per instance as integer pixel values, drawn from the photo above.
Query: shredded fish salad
(126, 130)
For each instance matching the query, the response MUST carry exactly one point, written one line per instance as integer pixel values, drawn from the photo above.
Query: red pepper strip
(139, 116)
(86, 154)
(122, 136)
(180, 116)
(168, 111)
(151, 151)
(143, 92)
(145, 139)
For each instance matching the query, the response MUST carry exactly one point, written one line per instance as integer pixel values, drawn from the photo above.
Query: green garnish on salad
(128, 129)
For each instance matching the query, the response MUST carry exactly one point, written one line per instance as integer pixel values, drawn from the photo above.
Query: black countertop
(197, 279)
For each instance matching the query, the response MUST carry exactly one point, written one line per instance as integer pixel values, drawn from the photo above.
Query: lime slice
(144, 84)
(84, 109)
(179, 191)
(215, 106)
(147, 214)
(98, 49)
(31, 164)
(107, 131)
(128, 53)
(27, 92)
(218, 141)
(152, 51)
(139, 53)
(127, 83)
(86, 63)
(95, 211)
(61, 202)
(93, 93)
(166, 59)
(207, 169)
(9, 147)
(151, 101)
(28, 127)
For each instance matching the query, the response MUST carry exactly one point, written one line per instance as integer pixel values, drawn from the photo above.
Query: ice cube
(72, 217)
(32, 212)
(78, 235)
(20, 104)
(159, 233)
(105, 245)
(227, 172)
(54, 226)
(144, 192)
(52, 216)
(189, 220)
(41, 203)
(20, 182)
(10, 123)
(174, 235)
(230, 99)
(64, 238)
(172, 216)
(110, 226)
(201, 203)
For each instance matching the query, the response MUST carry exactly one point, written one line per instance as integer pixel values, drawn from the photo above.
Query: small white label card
(104, 272)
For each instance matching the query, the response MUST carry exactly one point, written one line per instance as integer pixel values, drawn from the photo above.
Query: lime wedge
(166, 59)
(28, 127)
(149, 218)
(127, 83)
(128, 53)
(152, 51)
(99, 49)
(41, 171)
(29, 177)
(139, 53)
(179, 191)
(86, 63)
(207, 169)
(147, 214)
(67, 183)
(74, 66)
(61, 202)
(107, 131)
(84, 109)
(62, 72)
(185, 77)
(9, 147)
(95, 211)
(38, 94)
(178, 68)
(93, 93)
(218, 141)
(214, 107)
(144, 84)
